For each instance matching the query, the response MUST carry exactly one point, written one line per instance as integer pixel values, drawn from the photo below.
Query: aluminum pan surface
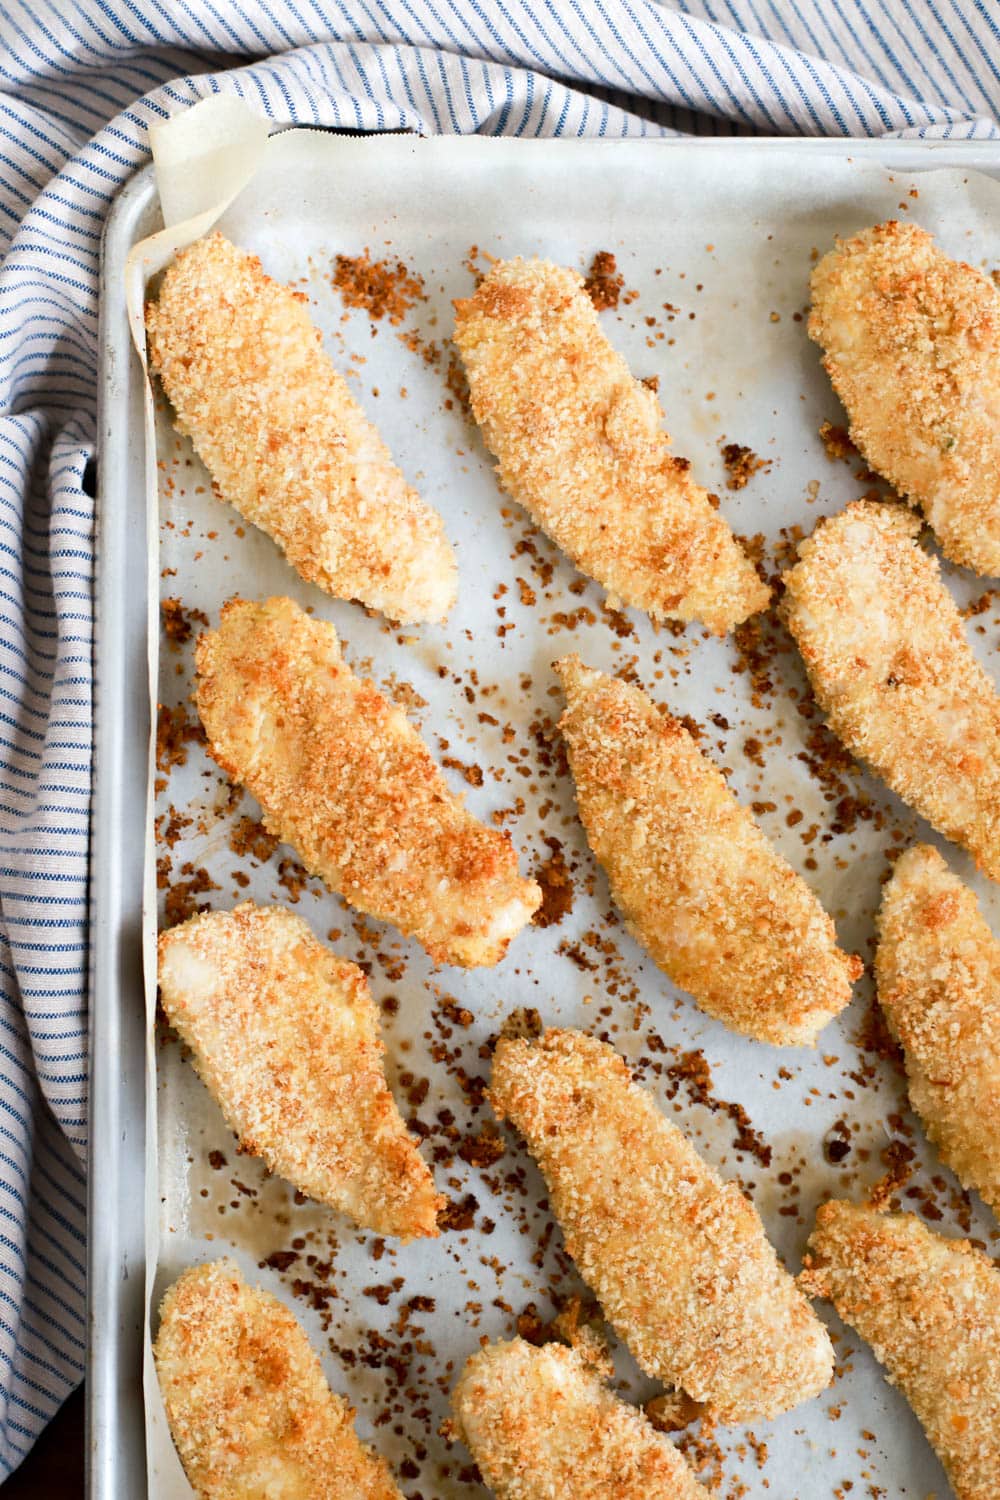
(723, 236)
(116, 1241)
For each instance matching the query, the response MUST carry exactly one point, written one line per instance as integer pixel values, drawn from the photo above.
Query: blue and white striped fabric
(80, 80)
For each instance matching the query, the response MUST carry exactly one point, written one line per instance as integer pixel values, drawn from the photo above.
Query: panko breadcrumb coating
(677, 1258)
(285, 1035)
(579, 444)
(930, 1309)
(912, 345)
(284, 440)
(343, 777)
(938, 974)
(541, 1424)
(888, 660)
(250, 1412)
(698, 882)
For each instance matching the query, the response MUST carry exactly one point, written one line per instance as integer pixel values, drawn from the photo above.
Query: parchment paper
(724, 239)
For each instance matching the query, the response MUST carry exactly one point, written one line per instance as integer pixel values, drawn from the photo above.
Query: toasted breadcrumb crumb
(912, 345)
(938, 974)
(556, 885)
(677, 1258)
(345, 779)
(742, 464)
(836, 440)
(604, 281)
(249, 1408)
(886, 653)
(542, 1424)
(285, 1035)
(580, 446)
(673, 1411)
(285, 441)
(181, 899)
(698, 882)
(930, 1309)
(383, 288)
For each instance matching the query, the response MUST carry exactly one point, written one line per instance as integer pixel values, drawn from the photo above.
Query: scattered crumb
(837, 442)
(182, 895)
(742, 464)
(604, 282)
(673, 1411)
(249, 837)
(178, 622)
(557, 887)
(384, 288)
(175, 731)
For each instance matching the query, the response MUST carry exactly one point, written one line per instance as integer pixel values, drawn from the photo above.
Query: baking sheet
(716, 245)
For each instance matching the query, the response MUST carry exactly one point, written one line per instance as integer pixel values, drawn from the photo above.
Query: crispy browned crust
(285, 441)
(912, 345)
(541, 1424)
(579, 444)
(938, 973)
(249, 1408)
(677, 1257)
(888, 660)
(699, 884)
(345, 779)
(930, 1309)
(285, 1035)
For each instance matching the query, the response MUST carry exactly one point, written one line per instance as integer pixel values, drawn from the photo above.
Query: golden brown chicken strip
(678, 1258)
(541, 1424)
(888, 660)
(345, 779)
(249, 1408)
(698, 882)
(930, 1309)
(579, 444)
(285, 441)
(285, 1035)
(912, 345)
(938, 974)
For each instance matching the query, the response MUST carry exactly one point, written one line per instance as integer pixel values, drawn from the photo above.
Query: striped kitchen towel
(80, 80)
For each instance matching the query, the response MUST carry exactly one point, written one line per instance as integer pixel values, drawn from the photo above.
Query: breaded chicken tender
(345, 779)
(938, 974)
(579, 444)
(677, 1258)
(698, 882)
(888, 660)
(285, 1035)
(912, 345)
(285, 441)
(930, 1309)
(541, 1424)
(250, 1411)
